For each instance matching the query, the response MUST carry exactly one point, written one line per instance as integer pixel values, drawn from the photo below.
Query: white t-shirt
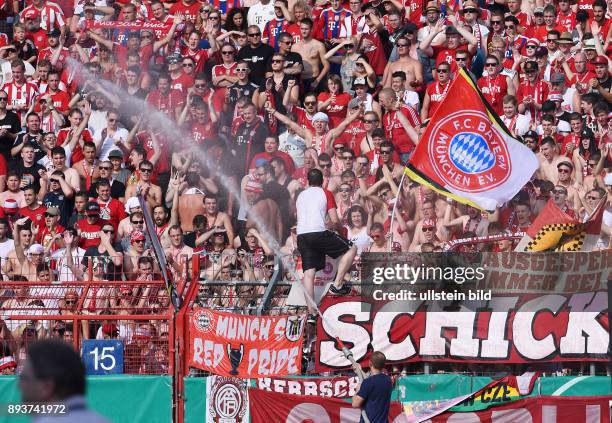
(294, 146)
(260, 14)
(108, 144)
(6, 247)
(312, 205)
(65, 274)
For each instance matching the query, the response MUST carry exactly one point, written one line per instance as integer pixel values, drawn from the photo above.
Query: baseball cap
(137, 236)
(320, 116)
(31, 14)
(600, 60)
(92, 208)
(36, 249)
(532, 42)
(531, 66)
(531, 134)
(428, 223)
(131, 203)
(555, 96)
(115, 154)
(253, 186)
(10, 206)
(52, 211)
(451, 30)
(541, 52)
(174, 59)
(432, 5)
(557, 78)
(538, 11)
(54, 33)
(565, 163)
(359, 81)
(338, 141)
(8, 361)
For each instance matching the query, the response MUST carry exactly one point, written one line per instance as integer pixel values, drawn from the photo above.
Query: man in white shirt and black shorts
(315, 241)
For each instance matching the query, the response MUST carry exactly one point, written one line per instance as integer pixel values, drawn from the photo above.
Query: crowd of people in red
(216, 112)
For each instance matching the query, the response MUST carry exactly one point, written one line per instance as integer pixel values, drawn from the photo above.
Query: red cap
(428, 223)
(600, 60)
(137, 236)
(10, 206)
(31, 14)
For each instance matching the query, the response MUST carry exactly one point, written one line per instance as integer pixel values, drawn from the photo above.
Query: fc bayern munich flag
(468, 154)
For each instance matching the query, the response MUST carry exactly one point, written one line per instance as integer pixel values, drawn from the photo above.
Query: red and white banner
(268, 407)
(337, 387)
(537, 410)
(537, 328)
(160, 29)
(235, 345)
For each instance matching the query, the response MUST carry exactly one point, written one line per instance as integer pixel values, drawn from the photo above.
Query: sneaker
(345, 289)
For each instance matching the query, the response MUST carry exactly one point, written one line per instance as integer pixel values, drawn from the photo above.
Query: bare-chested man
(152, 193)
(217, 218)
(549, 160)
(71, 176)
(313, 52)
(411, 67)
(18, 263)
(87, 170)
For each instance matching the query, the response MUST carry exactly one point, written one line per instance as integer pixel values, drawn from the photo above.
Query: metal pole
(349, 355)
(397, 198)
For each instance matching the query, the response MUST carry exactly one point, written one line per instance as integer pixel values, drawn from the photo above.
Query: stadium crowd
(216, 112)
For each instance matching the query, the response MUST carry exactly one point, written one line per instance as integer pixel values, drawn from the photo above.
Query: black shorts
(314, 246)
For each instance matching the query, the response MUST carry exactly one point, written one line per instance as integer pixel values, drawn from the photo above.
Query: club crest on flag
(470, 154)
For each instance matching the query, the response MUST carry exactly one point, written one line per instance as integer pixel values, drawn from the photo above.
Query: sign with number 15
(103, 357)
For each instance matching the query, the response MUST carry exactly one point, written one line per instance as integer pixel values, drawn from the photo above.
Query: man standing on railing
(314, 206)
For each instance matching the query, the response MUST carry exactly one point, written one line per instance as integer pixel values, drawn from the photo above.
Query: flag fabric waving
(468, 154)
(554, 230)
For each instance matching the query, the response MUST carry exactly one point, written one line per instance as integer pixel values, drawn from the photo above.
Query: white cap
(320, 116)
(36, 249)
(131, 203)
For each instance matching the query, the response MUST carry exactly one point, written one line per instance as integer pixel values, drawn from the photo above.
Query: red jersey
(523, 18)
(63, 136)
(39, 38)
(44, 236)
(375, 53)
(494, 90)
(61, 101)
(89, 233)
(20, 95)
(145, 53)
(182, 83)
(294, 30)
(337, 109)
(395, 130)
(167, 102)
(190, 11)
(199, 57)
(223, 69)
(201, 132)
(48, 52)
(539, 93)
(37, 215)
(113, 211)
(586, 5)
(353, 135)
(303, 118)
(51, 15)
(566, 20)
(447, 55)
(271, 30)
(437, 93)
(163, 164)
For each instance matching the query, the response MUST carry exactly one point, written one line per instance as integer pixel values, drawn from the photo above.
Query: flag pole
(397, 198)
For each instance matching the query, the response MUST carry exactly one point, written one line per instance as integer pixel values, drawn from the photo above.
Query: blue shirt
(376, 392)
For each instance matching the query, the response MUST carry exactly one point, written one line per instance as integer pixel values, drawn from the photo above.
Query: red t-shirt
(37, 215)
(437, 93)
(182, 83)
(90, 233)
(166, 103)
(303, 119)
(112, 211)
(77, 153)
(44, 236)
(395, 130)
(190, 12)
(337, 110)
(48, 52)
(494, 90)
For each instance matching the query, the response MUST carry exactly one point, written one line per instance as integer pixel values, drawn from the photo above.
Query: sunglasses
(140, 241)
(370, 121)
(137, 222)
(289, 43)
(470, 11)
(105, 168)
(187, 65)
(68, 302)
(108, 231)
(228, 52)
(200, 85)
(340, 147)
(428, 229)
(385, 151)
(531, 47)
(310, 103)
(325, 165)
(563, 170)
(496, 22)
(146, 170)
(254, 34)
(277, 61)
(560, 191)
(442, 70)
(509, 26)
(3, 98)
(490, 64)
(213, 18)
(345, 190)
(552, 41)
(242, 70)
(403, 45)
(460, 59)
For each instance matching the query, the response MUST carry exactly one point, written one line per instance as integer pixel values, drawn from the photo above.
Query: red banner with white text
(242, 346)
(536, 328)
(337, 387)
(267, 407)
(538, 410)
(160, 29)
